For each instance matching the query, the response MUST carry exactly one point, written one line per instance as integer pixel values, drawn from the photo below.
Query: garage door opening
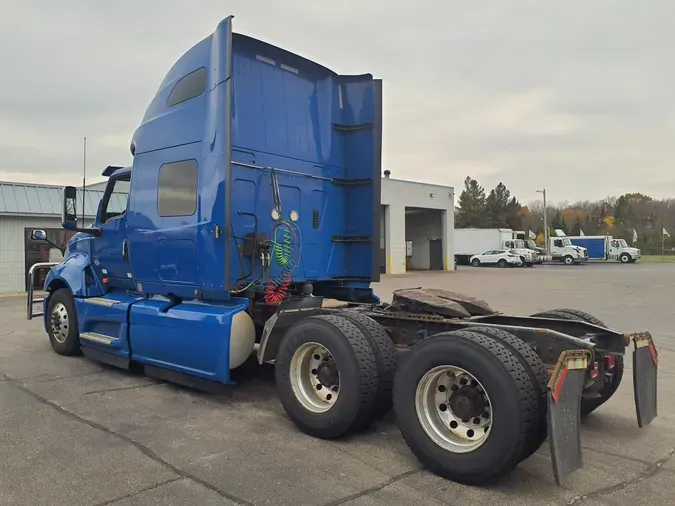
(424, 239)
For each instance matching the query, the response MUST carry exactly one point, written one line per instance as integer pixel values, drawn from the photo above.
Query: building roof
(22, 199)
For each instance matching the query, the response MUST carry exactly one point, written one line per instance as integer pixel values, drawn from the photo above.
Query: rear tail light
(610, 362)
(594, 370)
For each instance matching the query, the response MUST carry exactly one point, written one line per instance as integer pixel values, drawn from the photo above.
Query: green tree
(471, 211)
(514, 219)
(497, 205)
(558, 222)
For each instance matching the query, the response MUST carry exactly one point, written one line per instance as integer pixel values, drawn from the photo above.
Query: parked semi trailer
(254, 196)
(605, 247)
(475, 241)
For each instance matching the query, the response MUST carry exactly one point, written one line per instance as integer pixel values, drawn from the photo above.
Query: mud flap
(564, 413)
(645, 368)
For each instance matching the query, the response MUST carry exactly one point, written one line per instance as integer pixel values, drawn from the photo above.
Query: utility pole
(545, 222)
(84, 178)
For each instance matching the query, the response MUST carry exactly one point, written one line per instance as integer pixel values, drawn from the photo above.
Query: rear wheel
(536, 370)
(502, 263)
(62, 324)
(386, 361)
(612, 378)
(465, 406)
(326, 376)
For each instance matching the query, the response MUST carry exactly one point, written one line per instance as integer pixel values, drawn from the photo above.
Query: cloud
(572, 96)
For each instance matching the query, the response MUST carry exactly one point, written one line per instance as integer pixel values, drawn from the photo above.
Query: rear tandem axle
(476, 394)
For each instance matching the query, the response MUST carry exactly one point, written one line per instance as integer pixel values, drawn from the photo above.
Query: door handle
(125, 249)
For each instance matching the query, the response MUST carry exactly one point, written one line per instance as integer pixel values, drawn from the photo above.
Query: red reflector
(594, 370)
(610, 362)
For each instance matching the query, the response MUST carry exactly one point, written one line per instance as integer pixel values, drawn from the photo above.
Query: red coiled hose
(276, 293)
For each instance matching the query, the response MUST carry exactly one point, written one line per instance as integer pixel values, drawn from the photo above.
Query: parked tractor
(252, 199)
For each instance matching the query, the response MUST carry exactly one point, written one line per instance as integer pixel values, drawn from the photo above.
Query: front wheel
(475, 262)
(568, 260)
(62, 329)
(465, 407)
(624, 258)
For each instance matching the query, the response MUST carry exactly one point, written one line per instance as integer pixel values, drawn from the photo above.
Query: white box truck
(474, 241)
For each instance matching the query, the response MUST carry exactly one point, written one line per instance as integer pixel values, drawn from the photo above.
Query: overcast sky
(577, 97)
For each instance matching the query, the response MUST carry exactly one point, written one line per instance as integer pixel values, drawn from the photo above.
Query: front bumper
(564, 397)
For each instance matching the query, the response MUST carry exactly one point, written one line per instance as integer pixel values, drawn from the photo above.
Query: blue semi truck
(606, 247)
(252, 199)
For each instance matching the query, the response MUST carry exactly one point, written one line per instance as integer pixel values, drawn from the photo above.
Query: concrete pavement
(76, 432)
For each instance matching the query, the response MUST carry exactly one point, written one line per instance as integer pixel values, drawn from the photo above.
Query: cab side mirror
(38, 235)
(69, 210)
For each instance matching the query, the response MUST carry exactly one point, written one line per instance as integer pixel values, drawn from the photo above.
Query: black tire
(611, 382)
(475, 262)
(386, 360)
(568, 260)
(357, 375)
(512, 399)
(502, 263)
(583, 316)
(61, 315)
(624, 258)
(536, 370)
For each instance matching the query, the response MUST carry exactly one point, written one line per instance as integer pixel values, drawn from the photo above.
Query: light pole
(545, 221)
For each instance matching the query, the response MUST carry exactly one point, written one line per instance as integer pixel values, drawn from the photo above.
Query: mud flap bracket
(564, 414)
(645, 369)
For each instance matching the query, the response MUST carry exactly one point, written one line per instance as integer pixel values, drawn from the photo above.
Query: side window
(177, 189)
(189, 86)
(615, 244)
(509, 244)
(558, 243)
(116, 198)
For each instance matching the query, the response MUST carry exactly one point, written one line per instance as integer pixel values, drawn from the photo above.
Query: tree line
(619, 216)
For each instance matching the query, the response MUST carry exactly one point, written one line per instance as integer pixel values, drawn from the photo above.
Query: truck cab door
(614, 249)
(110, 254)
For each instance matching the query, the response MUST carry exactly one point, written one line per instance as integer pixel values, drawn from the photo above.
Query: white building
(417, 224)
(416, 231)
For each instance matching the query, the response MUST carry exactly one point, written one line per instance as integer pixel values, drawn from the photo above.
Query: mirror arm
(95, 231)
(61, 249)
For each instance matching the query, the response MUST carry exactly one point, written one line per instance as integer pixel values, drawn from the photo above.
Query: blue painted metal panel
(94, 316)
(192, 338)
(264, 111)
(594, 245)
(73, 272)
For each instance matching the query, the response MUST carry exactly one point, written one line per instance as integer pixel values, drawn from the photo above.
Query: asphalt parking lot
(76, 432)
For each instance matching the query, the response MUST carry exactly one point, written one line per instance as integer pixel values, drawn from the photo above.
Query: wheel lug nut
(442, 388)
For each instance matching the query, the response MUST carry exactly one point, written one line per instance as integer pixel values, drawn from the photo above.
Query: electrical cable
(277, 287)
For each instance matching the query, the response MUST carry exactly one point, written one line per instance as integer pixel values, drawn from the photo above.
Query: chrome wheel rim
(315, 378)
(60, 323)
(454, 409)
